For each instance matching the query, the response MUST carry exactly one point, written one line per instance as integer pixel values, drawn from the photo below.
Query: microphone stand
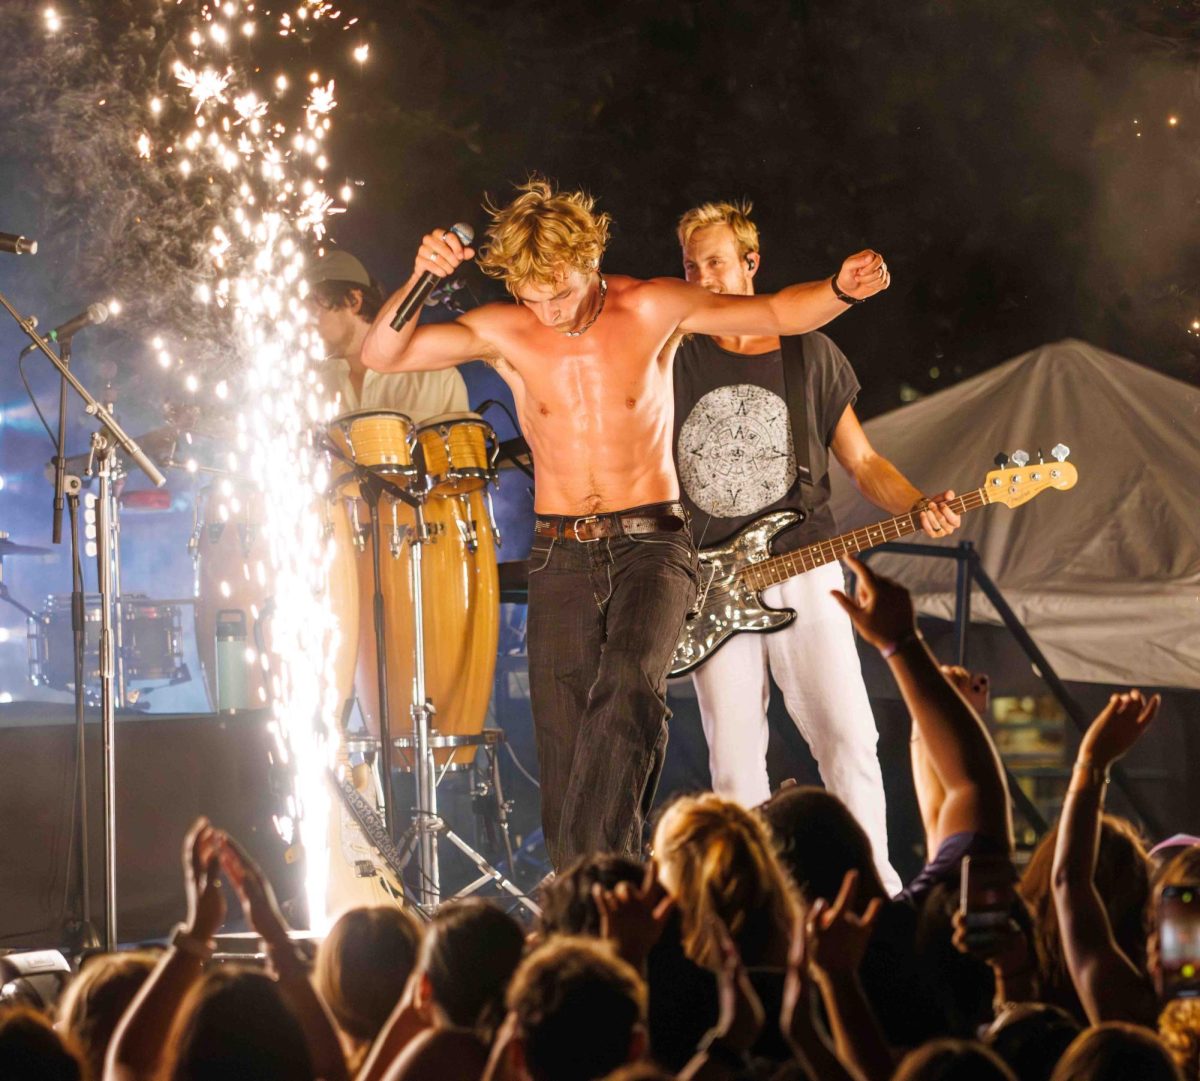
(80, 932)
(104, 443)
(60, 457)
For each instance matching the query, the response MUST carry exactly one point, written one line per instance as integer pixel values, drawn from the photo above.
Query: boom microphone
(419, 293)
(96, 313)
(15, 244)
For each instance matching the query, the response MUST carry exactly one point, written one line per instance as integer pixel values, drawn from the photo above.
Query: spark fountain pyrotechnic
(268, 170)
(212, 173)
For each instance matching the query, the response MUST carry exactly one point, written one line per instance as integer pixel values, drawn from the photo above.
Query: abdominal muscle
(598, 445)
(597, 410)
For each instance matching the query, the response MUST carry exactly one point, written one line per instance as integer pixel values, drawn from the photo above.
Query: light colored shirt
(419, 395)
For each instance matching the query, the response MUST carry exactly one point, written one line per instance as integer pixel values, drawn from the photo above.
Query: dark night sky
(990, 150)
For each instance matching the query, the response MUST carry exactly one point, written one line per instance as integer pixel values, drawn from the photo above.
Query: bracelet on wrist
(193, 945)
(903, 642)
(845, 298)
(1096, 776)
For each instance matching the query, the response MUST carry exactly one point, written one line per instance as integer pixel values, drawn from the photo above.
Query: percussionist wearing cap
(344, 300)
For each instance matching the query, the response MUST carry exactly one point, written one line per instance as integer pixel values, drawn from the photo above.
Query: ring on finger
(433, 256)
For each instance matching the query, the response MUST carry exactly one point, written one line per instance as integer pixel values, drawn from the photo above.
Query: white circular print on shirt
(735, 451)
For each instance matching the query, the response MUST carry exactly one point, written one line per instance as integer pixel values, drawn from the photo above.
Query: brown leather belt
(659, 518)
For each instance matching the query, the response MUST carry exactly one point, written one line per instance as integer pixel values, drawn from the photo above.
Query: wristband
(185, 942)
(845, 298)
(1096, 775)
(905, 640)
(721, 1053)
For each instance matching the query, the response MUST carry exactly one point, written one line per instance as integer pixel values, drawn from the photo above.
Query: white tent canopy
(1106, 576)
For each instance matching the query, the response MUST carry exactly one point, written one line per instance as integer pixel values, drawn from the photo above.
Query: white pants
(815, 663)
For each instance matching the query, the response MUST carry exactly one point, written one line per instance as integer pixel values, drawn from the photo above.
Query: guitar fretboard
(779, 568)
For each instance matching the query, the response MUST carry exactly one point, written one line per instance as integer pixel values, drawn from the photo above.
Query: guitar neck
(779, 568)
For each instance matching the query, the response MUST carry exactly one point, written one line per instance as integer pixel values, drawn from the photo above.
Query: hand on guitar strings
(937, 519)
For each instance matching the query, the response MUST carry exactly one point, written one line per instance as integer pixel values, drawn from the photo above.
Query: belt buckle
(575, 528)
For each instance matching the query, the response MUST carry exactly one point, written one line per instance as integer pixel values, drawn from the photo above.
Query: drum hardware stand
(427, 824)
(103, 444)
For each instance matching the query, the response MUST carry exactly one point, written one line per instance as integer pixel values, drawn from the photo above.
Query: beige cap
(338, 266)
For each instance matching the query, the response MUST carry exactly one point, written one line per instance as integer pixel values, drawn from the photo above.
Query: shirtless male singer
(613, 569)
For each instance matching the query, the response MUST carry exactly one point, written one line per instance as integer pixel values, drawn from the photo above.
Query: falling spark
(263, 164)
(361, 53)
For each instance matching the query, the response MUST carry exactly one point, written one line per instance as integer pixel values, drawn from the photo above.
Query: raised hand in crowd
(974, 688)
(836, 940)
(1110, 986)
(262, 913)
(1006, 949)
(810, 1046)
(725, 1050)
(141, 1036)
(633, 917)
(960, 750)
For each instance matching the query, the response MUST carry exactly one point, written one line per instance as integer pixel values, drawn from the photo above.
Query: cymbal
(11, 548)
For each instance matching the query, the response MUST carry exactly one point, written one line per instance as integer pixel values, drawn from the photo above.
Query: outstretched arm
(1108, 984)
(440, 345)
(796, 309)
(141, 1036)
(958, 744)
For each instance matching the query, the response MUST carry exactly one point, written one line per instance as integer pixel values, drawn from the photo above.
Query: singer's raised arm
(439, 345)
(425, 348)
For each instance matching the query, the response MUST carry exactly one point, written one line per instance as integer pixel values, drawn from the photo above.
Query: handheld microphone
(96, 313)
(15, 244)
(419, 293)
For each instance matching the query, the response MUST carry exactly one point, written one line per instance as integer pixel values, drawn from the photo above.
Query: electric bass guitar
(734, 574)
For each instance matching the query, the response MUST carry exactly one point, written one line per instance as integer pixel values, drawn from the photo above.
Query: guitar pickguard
(727, 605)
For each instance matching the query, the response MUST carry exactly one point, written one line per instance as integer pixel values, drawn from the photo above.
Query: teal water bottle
(233, 669)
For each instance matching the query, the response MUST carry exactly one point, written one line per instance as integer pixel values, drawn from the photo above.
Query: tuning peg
(1059, 452)
(1001, 460)
(1020, 458)
(1041, 458)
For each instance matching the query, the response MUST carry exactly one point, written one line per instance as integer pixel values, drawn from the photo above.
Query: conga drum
(379, 439)
(460, 452)
(461, 619)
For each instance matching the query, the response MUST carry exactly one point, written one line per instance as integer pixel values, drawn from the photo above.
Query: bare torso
(597, 409)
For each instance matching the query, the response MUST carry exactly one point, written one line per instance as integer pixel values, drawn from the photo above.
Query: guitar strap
(795, 370)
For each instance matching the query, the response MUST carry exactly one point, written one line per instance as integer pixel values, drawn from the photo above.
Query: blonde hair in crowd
(543, 234)
(723, 859)
(735, 215)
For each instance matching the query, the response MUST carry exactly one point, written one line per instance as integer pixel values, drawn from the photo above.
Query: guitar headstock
(1019, 480)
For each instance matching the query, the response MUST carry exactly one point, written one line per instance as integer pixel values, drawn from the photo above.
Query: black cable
(33, 400)
(484, 406)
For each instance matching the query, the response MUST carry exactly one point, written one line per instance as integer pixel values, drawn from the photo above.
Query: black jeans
(604, 618)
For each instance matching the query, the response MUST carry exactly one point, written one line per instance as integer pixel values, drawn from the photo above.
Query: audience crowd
(750, 944)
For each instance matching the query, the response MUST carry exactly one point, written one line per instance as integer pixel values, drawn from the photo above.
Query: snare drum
(379, 439)
(151, 635)
(460, 452)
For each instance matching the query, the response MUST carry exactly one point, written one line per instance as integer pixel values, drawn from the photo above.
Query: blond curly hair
(542, 235)
(735, 215)
(724, 861)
